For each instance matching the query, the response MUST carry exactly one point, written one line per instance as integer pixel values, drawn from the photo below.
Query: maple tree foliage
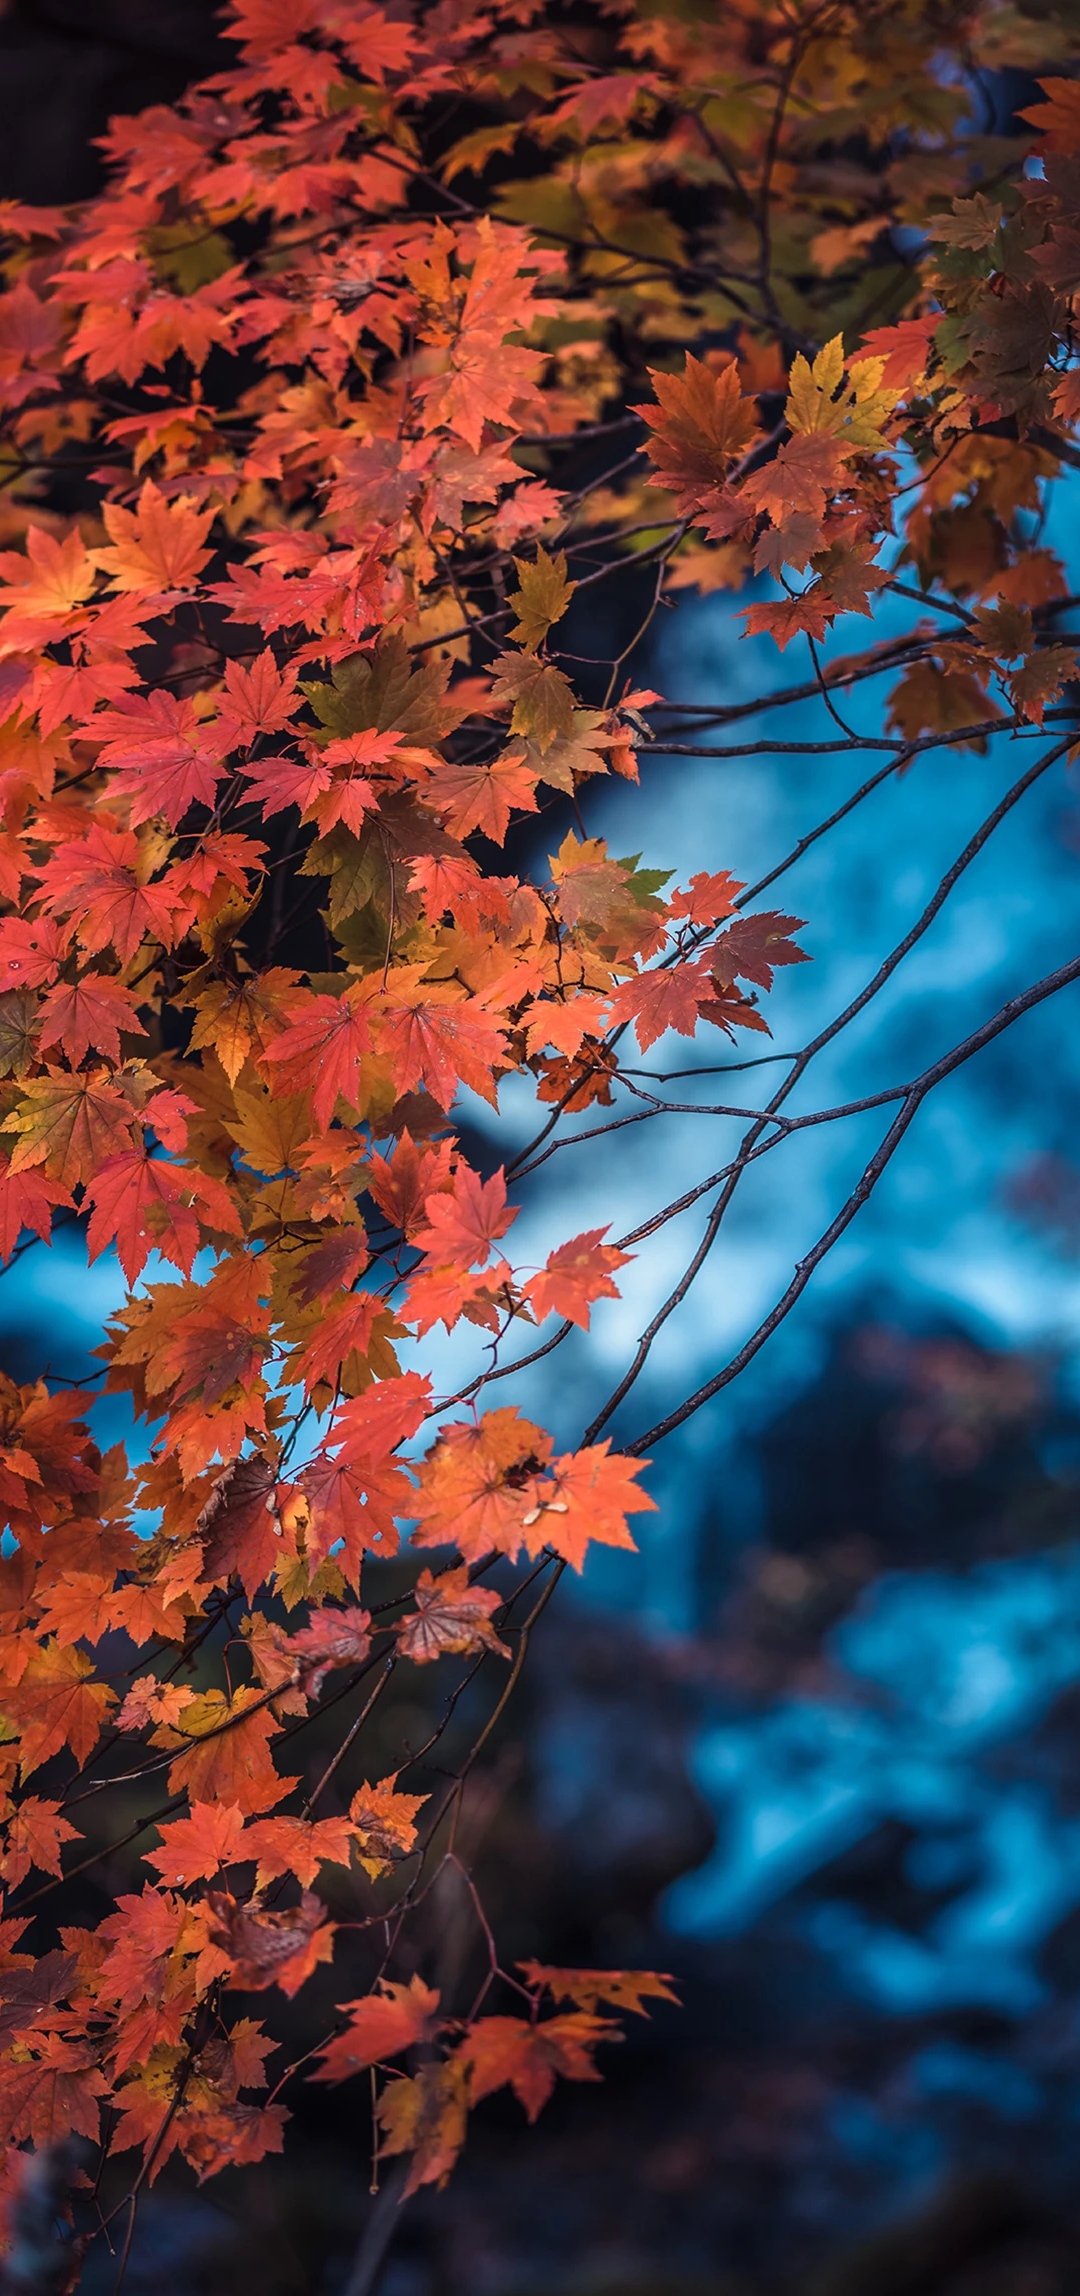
(293, 528)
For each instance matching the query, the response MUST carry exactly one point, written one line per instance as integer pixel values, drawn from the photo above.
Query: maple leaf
(1041, 678)
(95, 881)
(847, 407)
(486, 376)
(144, 1936)
(47, 589)
(52, 2097)
(659, 1000)
(445, 1294)
(164, 760)
(89, 1011)
(322, 1048)
(510, 2051)
(231, 2138)
(137, 1205)
(474, 1481)
(257, 698)
(241, 1524)
(427, 2117)
(271, 1948)
(809, 615)
(465, 1220)
(216, 1335)
(380, 2026)
(542, 697)
(542, 598)
(224, 1754)
(36, 1834)
(708, 899)
(585, 1495)
(198, 1846)
(158, 546)
(468, 155)
(371, 1426)
(612, 96)
(613, 902)
(235, 1018)
(30, 954)
(587, 1988)
(76, 1606)
(384, 1824)
(905, 348)
(297, 1846)
(930, 700)
(56, 1705)
(351, 1510)
(436, 1040)
(27, 1200)
(28, 1994)
(801, 475)
(401, 1189)
(754, 946)
(330, 1638)
(483, 796)
(337, 1259)
(1058, 120)
(574, 1275)
(566, 1025)
(18, 1019)
(150, 1701)
(346, 1325)
(450, 1615)
(701, 424)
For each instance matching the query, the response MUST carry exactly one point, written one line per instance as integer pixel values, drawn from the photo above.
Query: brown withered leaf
(241, 1524)
(269, 1947)
(450, 1616)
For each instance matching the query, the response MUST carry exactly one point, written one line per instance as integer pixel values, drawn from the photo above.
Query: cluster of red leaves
(299, 631)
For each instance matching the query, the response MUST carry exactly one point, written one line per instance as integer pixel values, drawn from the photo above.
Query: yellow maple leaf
(543, 598)
(850, 409)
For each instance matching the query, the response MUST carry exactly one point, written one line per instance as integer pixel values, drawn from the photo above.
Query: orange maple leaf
(158, 546)
(586, 1988)
(426, 2116)
(511, 2051)
(200, 1845)
(484, 796)
(380, 2026)
(384, 1824)
(585, 1495)
(56, 1705)
(575, 1274)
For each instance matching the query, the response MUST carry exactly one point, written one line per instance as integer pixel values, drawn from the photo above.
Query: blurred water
(941, 1669)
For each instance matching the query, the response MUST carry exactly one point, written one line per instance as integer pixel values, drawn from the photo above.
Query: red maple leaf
(163, 758)
(465, 1220)
(89, 1011)
(321, 1051)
